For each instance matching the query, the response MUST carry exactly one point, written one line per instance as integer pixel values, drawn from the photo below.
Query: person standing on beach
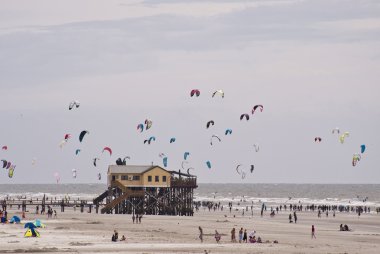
(233, 235)
(245, 238)
(295, 217)
(140, 217)
(240, 235)
(133, 218)
(217, 236)
(200, 233)
(313, 232)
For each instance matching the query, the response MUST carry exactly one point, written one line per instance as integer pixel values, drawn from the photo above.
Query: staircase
(114, 202)
(119, 185)
(120, 199)
(100, 197)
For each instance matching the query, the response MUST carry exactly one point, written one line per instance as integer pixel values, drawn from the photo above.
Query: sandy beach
(75, 232)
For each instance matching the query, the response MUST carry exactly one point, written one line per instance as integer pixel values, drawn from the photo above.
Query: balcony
(183, 182)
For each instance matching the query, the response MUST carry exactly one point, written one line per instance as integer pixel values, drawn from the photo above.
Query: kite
(82, 134)
(74, 173)
(4, 148)
(125, 159)
(343, 137)
(11, 171)
(214, 136)
(228, 131)
(317, 139)
(140, 127)
(62, 144)
(188, 170)
(183, 163)
(148, 124)
(257, 147)
(185, 155)
(172, 140)
(244, 115)
(67, 136)
(108, 150)
(119, 162)
(238, 170)
(210, 123)
(355, 158)
(336, 129)
(195, 92)
(165, 161)
(94, 161)
(74, 104)
(256, 107)
(362, 148)
(208, 163)
(220, 92)
(77, 151)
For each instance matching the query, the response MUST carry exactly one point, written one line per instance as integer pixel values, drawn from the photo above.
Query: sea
(241, 195)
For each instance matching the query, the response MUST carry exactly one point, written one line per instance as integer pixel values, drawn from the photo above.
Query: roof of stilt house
(131, 169)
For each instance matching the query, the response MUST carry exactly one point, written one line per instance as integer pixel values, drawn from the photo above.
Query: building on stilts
(147, 190)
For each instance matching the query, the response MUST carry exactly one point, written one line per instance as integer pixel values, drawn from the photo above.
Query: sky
(313, 64)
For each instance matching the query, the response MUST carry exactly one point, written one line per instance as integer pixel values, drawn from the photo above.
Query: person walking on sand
(295, 217)
(200, 234)
(140, 217)
(233, 235)
(133, 218)
(313, 232)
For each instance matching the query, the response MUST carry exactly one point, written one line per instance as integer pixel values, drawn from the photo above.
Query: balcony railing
(183, 182)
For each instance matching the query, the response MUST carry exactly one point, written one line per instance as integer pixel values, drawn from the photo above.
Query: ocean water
(240, 194)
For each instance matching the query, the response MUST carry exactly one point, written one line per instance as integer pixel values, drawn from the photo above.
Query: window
(124, 177)
(149, 178)
(157, 179)
(164, 179)
(136, 178)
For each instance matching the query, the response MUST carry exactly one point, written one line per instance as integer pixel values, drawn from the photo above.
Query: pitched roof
(132, 169)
